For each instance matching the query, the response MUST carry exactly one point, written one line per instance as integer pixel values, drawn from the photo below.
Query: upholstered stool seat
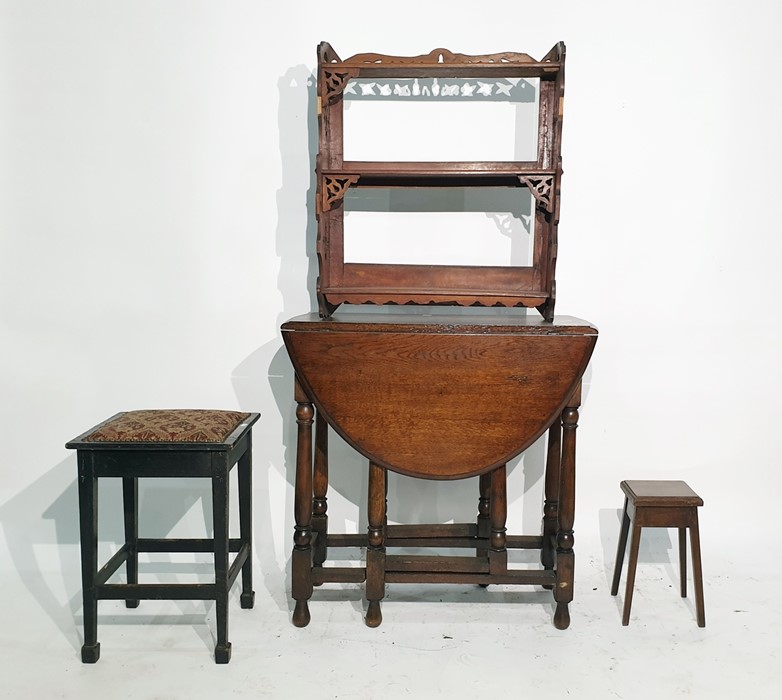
(660, 504)
(166, 443)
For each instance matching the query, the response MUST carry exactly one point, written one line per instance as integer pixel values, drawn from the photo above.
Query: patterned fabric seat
(178, 425)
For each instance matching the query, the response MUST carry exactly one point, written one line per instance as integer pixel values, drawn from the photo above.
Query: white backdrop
(157, 226)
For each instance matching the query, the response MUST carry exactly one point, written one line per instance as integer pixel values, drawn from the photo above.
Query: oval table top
(439, 395)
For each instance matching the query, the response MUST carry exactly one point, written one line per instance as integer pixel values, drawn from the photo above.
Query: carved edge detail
(334, 189)
(541, 187)
(442, 55)
(413, 299)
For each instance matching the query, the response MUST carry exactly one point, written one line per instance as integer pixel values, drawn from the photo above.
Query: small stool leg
(220, 496)
(620, 550)
(88, 527)
(635, 543)
(130, 511)
(697, 571)
(683, 560)
(244, 475)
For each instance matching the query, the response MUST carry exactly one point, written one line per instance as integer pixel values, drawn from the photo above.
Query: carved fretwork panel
(334, 189)
(542, 189)
(334, 82)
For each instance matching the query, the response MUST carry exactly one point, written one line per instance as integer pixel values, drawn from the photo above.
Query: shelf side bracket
(542, 189)
(334, 81)
(334, 189)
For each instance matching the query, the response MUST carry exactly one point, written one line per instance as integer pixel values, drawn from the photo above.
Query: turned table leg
(498, 514)
(301, 562)
(551, 496)
(320, 486)
(484, 523)
(376, 551)
(565, 560)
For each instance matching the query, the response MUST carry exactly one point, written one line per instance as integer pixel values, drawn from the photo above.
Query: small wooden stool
(165, 443)
(660, 504)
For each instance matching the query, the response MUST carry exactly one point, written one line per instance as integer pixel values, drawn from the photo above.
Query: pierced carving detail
(337, 73)
(541, 187)
(335, 81)
(334, 189)
(434, 87)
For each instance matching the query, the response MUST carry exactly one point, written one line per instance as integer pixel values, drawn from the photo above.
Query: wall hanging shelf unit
(347, 282)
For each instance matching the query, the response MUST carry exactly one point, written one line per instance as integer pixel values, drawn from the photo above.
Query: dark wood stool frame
(132, 460)
(487, 535)
(660, 504)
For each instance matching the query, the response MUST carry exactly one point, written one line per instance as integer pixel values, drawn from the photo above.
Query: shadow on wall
(268, 366)
(43, 518)
(41, 528)
(656, 548)
(410, 500)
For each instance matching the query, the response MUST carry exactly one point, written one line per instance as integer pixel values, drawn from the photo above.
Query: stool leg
(683, 560)
(697, 571)
(220, 496)
(244, 475)
(376, 550)
(635, 543)
(88, 527)
(620, 550)
(130, 511)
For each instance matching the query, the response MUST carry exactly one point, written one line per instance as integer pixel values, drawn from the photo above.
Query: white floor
(435, 641)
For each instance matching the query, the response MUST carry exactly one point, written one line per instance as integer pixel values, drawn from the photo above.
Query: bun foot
(374, 616)
(301, 614)
(562, 616)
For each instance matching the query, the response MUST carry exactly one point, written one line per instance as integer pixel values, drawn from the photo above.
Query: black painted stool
(165, 443)
(660, 504)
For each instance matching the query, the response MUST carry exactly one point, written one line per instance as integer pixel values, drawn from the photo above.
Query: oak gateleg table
(436, 396)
